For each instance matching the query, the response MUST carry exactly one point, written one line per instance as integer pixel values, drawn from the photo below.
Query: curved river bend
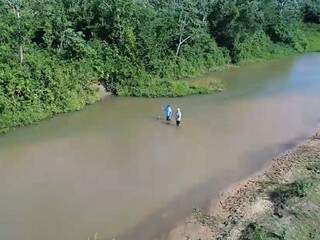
(116, 170)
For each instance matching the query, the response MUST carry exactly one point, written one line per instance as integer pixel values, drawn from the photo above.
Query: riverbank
(282, 202)
(178, 85)
(44, 86)
(115, 163)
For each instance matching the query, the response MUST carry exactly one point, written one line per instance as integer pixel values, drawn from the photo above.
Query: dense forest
(53, 53)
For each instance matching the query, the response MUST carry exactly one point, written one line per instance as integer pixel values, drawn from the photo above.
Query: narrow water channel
(117, 170)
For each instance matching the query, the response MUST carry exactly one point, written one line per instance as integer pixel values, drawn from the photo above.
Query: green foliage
(284, 193)
(312, 33)
(256, 232)
(163, 88)
(40, 88)
(314, 167)
(311, 11)
(53, 52)
(257, 45)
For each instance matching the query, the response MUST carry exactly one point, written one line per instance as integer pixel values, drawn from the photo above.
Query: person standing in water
(168, 113)
(178, 117)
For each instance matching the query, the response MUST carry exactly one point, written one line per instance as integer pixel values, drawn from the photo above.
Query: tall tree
(15, 6)
(188, 20)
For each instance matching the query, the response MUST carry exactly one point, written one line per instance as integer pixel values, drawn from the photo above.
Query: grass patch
(167, 88)
(314, 167)
(256, 232)
(312, 33)
(296, 214)
(284, 193)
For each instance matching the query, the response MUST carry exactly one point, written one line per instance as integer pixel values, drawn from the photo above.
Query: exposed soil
(275, 197)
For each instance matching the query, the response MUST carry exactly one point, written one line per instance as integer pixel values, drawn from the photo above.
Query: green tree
(311, 11)
(16, 6)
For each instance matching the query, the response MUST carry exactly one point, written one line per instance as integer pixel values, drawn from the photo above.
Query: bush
(163, 88)
(289, 34)
(283, 194)
(254, 231)
(252, 47)
(40, 88)
(311, 11)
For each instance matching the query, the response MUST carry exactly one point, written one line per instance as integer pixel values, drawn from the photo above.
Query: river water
(115, 169)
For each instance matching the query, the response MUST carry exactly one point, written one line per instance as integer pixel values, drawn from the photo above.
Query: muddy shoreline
(245, 201)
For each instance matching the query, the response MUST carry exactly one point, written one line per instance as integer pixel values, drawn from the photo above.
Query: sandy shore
(247, 201)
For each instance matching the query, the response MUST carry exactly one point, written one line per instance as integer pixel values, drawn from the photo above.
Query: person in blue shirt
(168, 113)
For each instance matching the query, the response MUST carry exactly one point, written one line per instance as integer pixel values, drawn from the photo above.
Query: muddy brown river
(115, 169)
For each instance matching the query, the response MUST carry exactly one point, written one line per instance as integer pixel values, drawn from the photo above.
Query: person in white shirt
(178, 117)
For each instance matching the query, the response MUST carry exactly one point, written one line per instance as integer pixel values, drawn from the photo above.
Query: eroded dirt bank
(281, 202)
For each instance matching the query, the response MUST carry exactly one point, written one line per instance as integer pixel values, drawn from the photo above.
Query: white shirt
(178, 115)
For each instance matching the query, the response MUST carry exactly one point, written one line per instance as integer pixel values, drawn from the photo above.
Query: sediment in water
(280, 202)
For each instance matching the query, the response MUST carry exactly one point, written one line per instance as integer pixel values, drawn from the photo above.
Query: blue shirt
(168, 111)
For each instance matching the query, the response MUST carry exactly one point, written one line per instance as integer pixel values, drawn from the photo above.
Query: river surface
(117, 170)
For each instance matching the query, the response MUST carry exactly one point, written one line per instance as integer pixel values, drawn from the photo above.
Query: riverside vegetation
(54, 53)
